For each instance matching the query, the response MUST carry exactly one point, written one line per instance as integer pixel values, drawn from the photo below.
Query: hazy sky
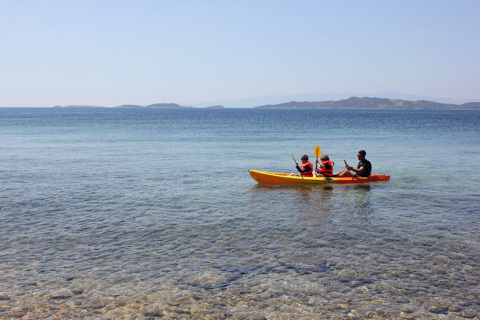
(113, 52)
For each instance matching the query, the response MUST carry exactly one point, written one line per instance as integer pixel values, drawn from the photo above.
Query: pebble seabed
(361, 284)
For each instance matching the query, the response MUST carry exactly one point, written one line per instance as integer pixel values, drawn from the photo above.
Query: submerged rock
(470, 314)
(438, 309)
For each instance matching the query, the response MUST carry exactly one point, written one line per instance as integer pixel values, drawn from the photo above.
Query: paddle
(296, 163)
(318, 152)
(346, 167)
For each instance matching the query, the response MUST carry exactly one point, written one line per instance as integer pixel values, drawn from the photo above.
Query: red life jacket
(307, 173)
(327, 172)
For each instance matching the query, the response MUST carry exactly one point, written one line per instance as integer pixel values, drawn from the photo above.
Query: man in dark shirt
(364, 167)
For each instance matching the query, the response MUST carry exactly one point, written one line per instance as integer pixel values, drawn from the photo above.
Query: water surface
(151, 213)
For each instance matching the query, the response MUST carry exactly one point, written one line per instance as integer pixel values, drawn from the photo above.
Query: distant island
(350, 103)
(165, 105)
(78, 106)
(156, 105)
(373, 103)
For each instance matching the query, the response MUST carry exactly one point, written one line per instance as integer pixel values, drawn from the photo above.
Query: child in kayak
(306, 170)
(326, 167)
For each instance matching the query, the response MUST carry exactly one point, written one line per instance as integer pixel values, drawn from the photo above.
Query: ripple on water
(124, 233)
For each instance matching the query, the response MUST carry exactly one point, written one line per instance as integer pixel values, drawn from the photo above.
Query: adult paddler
(364, 167)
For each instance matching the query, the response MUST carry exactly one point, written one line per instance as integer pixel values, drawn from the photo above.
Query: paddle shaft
(297, 165)
(346, 165)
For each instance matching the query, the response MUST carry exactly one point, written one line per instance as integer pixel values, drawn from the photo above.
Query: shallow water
(139, 214)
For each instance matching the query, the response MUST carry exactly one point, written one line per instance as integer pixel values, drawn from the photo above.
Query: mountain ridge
(348, 103)
(372, 103)
(326, 96)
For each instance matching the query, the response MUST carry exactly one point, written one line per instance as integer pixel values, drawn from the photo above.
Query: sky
(199, 52)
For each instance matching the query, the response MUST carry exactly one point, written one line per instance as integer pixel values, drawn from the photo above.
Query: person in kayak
(326, 167)
(306, 170)
(364, 167)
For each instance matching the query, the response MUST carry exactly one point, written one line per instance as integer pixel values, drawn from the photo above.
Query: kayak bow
(286, 178)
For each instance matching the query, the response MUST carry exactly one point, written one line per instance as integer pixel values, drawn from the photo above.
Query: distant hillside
(129, 106)
(78, 106)
(156, 105)
(373, 103)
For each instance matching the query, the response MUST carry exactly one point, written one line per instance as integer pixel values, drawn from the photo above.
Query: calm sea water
(151, 213)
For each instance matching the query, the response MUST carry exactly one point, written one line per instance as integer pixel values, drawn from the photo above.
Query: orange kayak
(286, 178)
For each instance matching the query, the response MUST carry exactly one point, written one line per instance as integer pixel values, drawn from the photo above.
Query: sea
(138, 213)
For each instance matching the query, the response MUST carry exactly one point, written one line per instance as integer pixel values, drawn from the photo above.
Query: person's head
(324, 157)
(361, 154)
(305, 158)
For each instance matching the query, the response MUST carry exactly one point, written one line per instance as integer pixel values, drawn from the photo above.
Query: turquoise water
(151, 213)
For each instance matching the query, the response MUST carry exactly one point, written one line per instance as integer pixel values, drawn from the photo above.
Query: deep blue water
(150, 213)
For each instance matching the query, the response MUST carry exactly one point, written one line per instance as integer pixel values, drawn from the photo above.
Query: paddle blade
(318, 151)
(294, 159)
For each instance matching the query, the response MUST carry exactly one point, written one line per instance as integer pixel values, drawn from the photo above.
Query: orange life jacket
(307, 173)
(327, 172)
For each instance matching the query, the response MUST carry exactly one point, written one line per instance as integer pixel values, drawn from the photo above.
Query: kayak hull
(286, 178)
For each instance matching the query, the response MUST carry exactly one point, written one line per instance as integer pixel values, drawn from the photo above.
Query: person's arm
(304, 170)
(357, 171)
